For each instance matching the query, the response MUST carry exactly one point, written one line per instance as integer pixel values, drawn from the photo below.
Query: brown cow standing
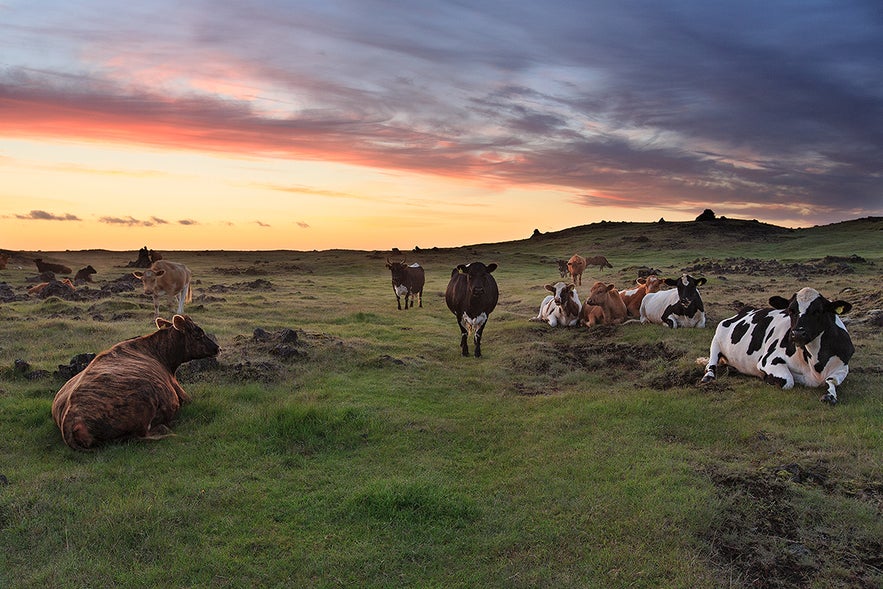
(576, 265)
(130, 390)
(169, 278)
(599, 261)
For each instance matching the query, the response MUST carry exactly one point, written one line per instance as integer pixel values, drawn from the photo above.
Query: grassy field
(340, 442)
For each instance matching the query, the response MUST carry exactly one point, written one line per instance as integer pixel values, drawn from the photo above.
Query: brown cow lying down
(130, 390)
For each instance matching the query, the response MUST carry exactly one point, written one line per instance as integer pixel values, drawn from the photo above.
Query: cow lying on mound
(130, 390)
(801, 340)
(50, 267)
(679, 307)
(169, 278)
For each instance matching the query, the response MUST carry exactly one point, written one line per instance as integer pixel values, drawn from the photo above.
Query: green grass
(377, 456)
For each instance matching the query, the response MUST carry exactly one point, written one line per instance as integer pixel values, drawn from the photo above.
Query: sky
(373, 124)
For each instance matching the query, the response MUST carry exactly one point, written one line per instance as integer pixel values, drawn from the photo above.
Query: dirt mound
(827, 266)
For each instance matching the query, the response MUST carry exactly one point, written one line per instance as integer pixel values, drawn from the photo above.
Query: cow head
(810, 313)
(196, 343)
(148, 278)
(651, 282)
(478, 277)
(687, 288)
(563, 292)
(397, 269)
(599, 293)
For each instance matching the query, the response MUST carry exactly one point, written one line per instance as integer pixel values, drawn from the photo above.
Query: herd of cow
(130, 390)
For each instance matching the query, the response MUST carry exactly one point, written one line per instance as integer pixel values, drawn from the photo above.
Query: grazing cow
(801, 340)
(50, 267)
(4, 259)
(562, 307)
(599, 261)
(576, 265)
(678, 307)
(85, 274)
(633, 297)
(407, 281)
(169, 278)
(130, 390)
(608, 299)
(471, 295)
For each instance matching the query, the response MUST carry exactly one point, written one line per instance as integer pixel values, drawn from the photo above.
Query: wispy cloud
(302, 225)
(46, 216)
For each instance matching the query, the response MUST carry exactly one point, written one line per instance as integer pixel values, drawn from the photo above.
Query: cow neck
(164, 345)
(571, 307)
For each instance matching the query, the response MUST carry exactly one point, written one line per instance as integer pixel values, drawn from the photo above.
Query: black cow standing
(471, 296)
(407, 281)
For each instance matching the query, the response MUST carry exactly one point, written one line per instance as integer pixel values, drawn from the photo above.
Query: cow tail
(75, 433)
(189, 297)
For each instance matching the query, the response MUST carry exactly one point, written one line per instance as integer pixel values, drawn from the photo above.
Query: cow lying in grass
(130, 390)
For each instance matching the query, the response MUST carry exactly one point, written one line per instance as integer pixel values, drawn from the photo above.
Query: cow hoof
(706, 379)
(829, 398)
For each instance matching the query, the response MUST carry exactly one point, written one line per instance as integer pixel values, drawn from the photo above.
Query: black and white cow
(407, 281)
(801, 340)
(677, 307)
(471, 295)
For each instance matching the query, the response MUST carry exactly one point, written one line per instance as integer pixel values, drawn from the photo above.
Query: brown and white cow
(576, 265)
(562, 307)
(130, 390)
(800, 340)
(472, 295)
(610, 302)
(634, 296)
(50, 267)
(407, 282)
(169, 278)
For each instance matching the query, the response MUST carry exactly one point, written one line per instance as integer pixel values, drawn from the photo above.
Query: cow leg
(420, 295)
(399, 302)
(478, 324)
(833, 381)
(464, 337)
(180, 299)
(155, 306)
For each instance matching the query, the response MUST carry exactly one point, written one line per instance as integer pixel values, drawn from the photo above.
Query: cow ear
(550, 288)
(162, 323)
(138, 275)
(179, 321)
(778, 302)
(701, 281)
(841, 307)
(671, 281)
(159, 272)
(611, 286)
(640, 281)
(461, 268)
(491, 267)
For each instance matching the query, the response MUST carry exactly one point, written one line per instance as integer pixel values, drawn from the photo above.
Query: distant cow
(85, 274)
(50, 267)
(169, 278)
(609, 300)
(562, 307)
(634, 297)
(562, 268)
(576, 265)
(678, 307)
(52, 288)
(4, 259)
(801, 340)
(130, 390)
(471, 296)
(407, 281)
(599, 261)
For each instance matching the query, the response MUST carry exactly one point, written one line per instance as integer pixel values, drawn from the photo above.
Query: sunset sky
(372, 124)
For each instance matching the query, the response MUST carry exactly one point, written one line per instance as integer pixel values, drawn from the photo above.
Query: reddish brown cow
(633, 297)
(50, 267)
(130, 390)
(38, 288)
(169, 278)
(576, 265)
(606, 297)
